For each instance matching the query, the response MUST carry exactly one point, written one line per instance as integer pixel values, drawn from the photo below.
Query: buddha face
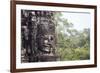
(46, 43)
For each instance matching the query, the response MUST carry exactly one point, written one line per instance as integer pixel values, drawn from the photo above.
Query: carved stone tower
(38, 36)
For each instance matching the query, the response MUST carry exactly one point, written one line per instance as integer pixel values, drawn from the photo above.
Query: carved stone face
(45, 33)
(47, 43)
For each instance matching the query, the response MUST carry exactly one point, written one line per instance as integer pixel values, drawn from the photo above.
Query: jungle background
(72, 44)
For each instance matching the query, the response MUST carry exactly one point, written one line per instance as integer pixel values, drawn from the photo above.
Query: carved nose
(45, 41)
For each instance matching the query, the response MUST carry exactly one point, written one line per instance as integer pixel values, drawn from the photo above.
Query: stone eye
(51, 38)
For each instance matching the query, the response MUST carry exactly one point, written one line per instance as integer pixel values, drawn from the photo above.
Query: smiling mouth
(46, 48)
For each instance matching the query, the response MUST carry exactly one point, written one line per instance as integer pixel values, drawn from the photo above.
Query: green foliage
(71, 43)
(73, 54)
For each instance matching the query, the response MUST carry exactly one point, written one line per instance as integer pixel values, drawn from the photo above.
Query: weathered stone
(41, 36)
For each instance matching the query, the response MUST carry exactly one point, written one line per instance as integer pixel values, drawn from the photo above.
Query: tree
(71, 43)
